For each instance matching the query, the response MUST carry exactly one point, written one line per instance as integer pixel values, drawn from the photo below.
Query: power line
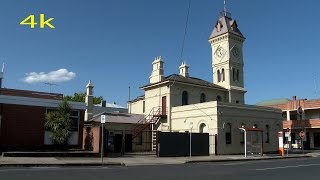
(183, 40)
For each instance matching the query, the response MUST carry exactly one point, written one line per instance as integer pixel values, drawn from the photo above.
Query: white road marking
(285, 167)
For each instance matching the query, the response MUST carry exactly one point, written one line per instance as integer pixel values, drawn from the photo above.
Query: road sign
(299, 110)
(287, 134)
(103, 119)
(301, 134)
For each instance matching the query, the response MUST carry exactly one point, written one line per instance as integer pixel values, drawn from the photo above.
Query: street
(304, 168)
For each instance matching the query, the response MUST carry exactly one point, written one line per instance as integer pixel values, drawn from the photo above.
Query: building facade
(118, 131)
(216, 107)
(301, 115)
(22, 115)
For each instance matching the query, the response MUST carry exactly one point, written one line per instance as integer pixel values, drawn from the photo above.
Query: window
(267, 133)
(202, 98)
(242, 134)
(143, 106)
(234, 74)
(238, 75)
(184, 98)
(293, 138)
(218, 98)
(203, 128)
(228, 133)
(75, 116)
(223, 75)
(237, 101)
(219, 75)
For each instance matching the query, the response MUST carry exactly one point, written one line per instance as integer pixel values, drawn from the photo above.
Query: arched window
(234, 74)
(203, 128)
(242, 133)
(219, 75)
(202, 98)
(238, 75)
(267, 133)
(184, 98)
(219, 98)
(223, 75)
(228, 133)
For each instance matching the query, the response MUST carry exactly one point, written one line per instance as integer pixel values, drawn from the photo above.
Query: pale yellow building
(217, 107)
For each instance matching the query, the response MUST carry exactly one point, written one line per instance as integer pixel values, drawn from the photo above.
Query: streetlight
(191, 126)
(245, 141)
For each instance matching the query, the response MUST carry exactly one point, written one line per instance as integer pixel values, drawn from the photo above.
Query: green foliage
(58, 122)
(80, 97)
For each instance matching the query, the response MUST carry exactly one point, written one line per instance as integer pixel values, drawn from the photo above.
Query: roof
(100, 109)
(189, 80)
(114, 117)
(226, 25)
(39, 102)
(31, 94)
(137, 99)
(273, 102)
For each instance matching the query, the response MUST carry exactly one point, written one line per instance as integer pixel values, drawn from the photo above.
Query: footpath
(135, 160)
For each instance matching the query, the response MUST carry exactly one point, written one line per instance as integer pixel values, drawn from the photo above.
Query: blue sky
(113, 43)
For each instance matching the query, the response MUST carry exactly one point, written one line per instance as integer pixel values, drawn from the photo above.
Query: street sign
(103, 119)
(287, 134)
(299, 110)
(301, 134)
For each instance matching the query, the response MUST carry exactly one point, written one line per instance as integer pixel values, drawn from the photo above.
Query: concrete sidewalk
(132, 160)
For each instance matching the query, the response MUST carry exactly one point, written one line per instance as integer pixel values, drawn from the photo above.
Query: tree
(80, 97)
(58, 122)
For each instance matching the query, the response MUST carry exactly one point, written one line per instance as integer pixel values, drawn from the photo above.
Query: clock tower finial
(225, 7)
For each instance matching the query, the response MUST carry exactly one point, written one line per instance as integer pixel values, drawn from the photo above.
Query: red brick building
(307, 119)
(22, 115)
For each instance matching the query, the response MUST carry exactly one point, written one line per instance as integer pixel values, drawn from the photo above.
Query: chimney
(103, 103)
(89, 102)
(184, 70)
(294, 98)
(157, 74)
(1, 75)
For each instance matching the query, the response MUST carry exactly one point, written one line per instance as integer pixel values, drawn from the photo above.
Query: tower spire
(225, 7)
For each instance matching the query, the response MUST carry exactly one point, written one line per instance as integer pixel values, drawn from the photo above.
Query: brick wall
(22, 126)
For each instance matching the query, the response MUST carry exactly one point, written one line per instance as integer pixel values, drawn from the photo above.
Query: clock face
(236, 52)
(220, 52)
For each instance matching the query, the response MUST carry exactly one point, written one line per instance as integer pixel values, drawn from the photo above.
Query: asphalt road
(306, 168)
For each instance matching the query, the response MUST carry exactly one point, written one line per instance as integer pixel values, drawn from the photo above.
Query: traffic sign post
(301, 134)
(103, 120)
(287, 135)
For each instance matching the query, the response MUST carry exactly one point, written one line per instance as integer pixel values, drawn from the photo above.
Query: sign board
(103, 119)
(301, 134)
(287, 134)
(299, 110)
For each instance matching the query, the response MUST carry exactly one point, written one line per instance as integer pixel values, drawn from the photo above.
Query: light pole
(191, 126)
(245, 141)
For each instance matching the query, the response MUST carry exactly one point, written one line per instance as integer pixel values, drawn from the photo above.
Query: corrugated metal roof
(273, 102)
(190, 80)
(112, 117)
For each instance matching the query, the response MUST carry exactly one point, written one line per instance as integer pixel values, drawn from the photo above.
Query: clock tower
(227, 58)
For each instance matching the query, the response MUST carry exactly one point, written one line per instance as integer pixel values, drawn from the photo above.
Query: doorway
(316, 140)
(128, 142)
(164, 105)
(117, 143)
